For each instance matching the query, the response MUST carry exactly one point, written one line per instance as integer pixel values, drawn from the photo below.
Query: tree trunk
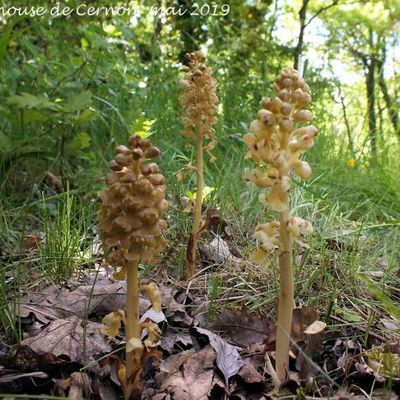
(370, 83)
(346, 121)
(393, 114)
(300, 41)
(380, 117)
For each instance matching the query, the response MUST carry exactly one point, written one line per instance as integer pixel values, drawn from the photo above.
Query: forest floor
(218, 329)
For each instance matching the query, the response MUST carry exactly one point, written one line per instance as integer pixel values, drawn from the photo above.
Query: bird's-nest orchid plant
(131, 223)
(199, 102)
(276, 143)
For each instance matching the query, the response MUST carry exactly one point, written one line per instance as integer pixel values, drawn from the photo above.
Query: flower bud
(115, 166)
(152, 152)
(129, 177)
(302, 169)
(137, 154)
(111, 178)
(145, 144)
(257, 127)
(134, 139)
(149, 169)
(284, 95)
(156, 179)
(287, 83)
(272, 105)
(310, 130)
(122, 159)
(266, 117)
(302, 116)
(122, 149)
(286, 125)
(286, 108)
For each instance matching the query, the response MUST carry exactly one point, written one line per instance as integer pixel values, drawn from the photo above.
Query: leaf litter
(201, 359)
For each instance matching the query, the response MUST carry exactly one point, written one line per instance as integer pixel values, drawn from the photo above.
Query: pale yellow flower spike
(199, 102)
(276, 145)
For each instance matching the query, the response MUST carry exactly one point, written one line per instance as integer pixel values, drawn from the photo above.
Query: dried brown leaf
(175, 341)
(302, 318)
(217, 252)
(228, 358)
(249, 372)
(216, 224)
(58, 303)
(173, 363)
(187, 375)
(81, 342)
(315, 328)
(31, 242)
(54, 182)
(27, 368)
(198, 373)
(241, 326)
(25, 359)
(76, 386)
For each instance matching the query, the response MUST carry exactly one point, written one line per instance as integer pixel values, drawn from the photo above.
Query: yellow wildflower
(351, 163)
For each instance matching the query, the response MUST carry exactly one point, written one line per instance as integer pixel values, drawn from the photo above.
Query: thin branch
(320, 11)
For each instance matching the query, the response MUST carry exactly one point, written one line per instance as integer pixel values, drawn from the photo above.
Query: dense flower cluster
(199, 100)
(276, 143)
(133, 203)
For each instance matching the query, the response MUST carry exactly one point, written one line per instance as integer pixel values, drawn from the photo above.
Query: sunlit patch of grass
(66, 226)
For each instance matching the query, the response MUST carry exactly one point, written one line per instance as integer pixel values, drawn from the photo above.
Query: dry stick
(271, 371)
(191, 260)
(132, 326)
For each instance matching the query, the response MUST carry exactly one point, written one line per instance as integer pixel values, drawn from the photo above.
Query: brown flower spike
(275, 143)
(130, 224)
(199, 101)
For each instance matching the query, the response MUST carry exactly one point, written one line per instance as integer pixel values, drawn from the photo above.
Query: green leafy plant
(60, 120)
(275, 144)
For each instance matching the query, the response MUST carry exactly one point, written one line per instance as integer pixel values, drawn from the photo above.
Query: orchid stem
(286, 296)
(133, 358)
(191, 259)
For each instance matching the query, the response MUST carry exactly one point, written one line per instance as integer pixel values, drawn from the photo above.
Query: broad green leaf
(33, 115)
(84, 116)
(78, 143)
(142, 127)
(79, 101)
(30, 101)
(348, 315)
